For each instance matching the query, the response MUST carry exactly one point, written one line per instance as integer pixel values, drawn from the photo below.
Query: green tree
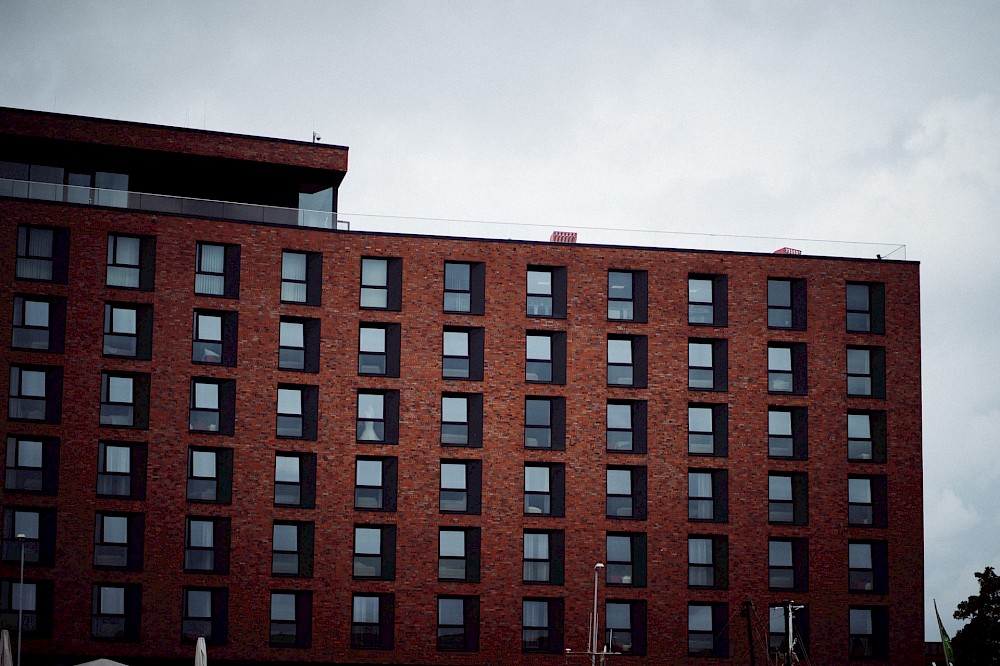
(978, 642)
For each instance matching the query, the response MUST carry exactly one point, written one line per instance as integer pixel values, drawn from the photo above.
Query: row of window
(42, 253)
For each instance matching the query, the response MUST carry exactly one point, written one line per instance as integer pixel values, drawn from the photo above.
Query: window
(627, 296)
(128, 330)
(542, 625)
(545, 489)
(464, 287)
(865, 307)
(206, 547)
(298, 344)
(34, 601)
(458, 624)
(866, 435)
(295, 480)
(627, 360)
(35, 393)
(778, 632)
(462, 419)
(461, 486)
(788, 564)
(707, 300)
(125, 399)
(372, 621)
(545, 357)
(866, 498)
(118, 541)
(42, 253)
(381, 283)
(462, 356)
(378, 350)
(626, 421)
(787, 432)
(869, 627)
(868, 566)
(121, 470)
(626, 492)
(544, 423)
(115, 612)
(32, 464)
(217, 270)
(131, 261)
(626, 559)
(787, 498)
(39, 529)
(708, 495)
(786, 303)
(786, 368)
(298, 411)
(866, 372)
(213, 405)
(625, 626)
(458, 554)
(708, 429)
(301, 277)
(708, 630)
(215, 337)
(707, 365)
(543, 556)
(316, 204)
(375, 483)
(210, 475)
(378, 416)
(546, 292)
(291, 619)
(292, 549)
(375, 551)
(39, 323)
(708, 561)
(205, 614)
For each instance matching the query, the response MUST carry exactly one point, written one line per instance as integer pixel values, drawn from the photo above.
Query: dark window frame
(795, 377)
(546, 370)
(224, 412)
(713, 311)
(451, 430)
(793, 574)
(299, 358)
(544, 638)
(377, 635)
(311, 281)
(796, 507)
(454, 637)
(873, 513)
(867, 318)
(472, 359)
(392, 288)
(874, 645)
(300, 622)
(786, 315)
(303, 488)
(718, 435)
(875, 374)
(128, 619)
(220, 548)
(108, 553)
(795, 441)
(20, 477)
(471, 490)
(719, 369)
(230, 273)
(637, 495)
(54, 329)
(381, 496)
(294, 562)
(139, 403)
(631, 439)
(37, 621)
(57, 259)
(215, 628)
(551, 430)
(384, 362)
(717, 634)
(552, 562)
(383, 560)
(215, 351)
(303, 424)
(370, 427)
(635, 643)
(719, 481)
(631, 374)
(461, 566)
(871, 577)
(713, 574)
(216, 488)
(51, 401)
(615, 575)
(144, 267)
(628, 302)
(873, 447)
(553, 497)
(549, 304)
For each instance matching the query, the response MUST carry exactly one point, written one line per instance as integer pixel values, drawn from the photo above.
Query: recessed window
(32, 464)
(544, 489)
(626, 493)
(35, 393)
(210, 475)
(462, 353)
(295, 480)
(462, 419)
(378, 416)
(464, 287)
(708, 495)
(707, 300)
(627, 296)
(215, 337)
(458, 624)
(42, 253)
(866, 436)
(868, 567)
(865, 307)
(866, 372)
(213, 405)
(381, 283)
(543, 556)
(39, 323)
(544, 423)
(118, 541)
(128, 330)
(708, 630)
(205, 615)
(206, 546)
(866, 497)
(298, 344)
(378, 350)
(217, 270)
(787, 432)
(545, 357)
(291, 617)
(542, 625)
(458, 554)
(38, 526)
(125, 399)
(787, 498)
(371, 621)
(121, 470)
(32, 600)
(707, 365)
(461, 486)
(131, 261)
(298, 411)
(786, 368)
(375, 551)
(115, 612)
(301, 277)
(546, 292)
(627, 360)
(708, 561)
(788, 564)
(626, 426)
(292, 549)
(625, 627)
(626, 559)
(869, 633)
(375, 482)
(786, 303)
(708, 429)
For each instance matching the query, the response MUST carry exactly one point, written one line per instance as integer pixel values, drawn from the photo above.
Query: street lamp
(20, 600)
(595, 628)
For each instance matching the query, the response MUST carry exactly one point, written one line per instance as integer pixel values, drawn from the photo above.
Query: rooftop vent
(787, 250)
(563, 237)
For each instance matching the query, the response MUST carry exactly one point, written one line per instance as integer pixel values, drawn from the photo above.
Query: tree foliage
(978, 642)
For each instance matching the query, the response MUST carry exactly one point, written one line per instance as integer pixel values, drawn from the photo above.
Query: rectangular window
(708, 630)
(546, 292)
(708, 561)
(708, 495)
(545, 357)
(869, 627)
(217, 270)
(543, 556)
(542, 625)
(42, 253)
(627, 360)
(788, 564)
(626, 559)
(213, 405)
(378, 349)
(786, 368)
(298, 411)
(205, 614)
(707, 300)
(458, 554)
(707, 365)
(39, 529)
(210, 475)
(292, 549)
(378, 416)
(375, 482)
(375, 551)
(295, 480)
(125, 399)
(372, 621)
(291, 619)
(121, 470)
(787, 498)
(868, 567)
(35, 393)
(462, 419)
(461, 486)
(206, 546)
(128, 330)
(866, 372)
(625, 627)
(33, 601)
(627, 296)
(301, 277)
(462, 356)
(131, 261)
(866, 498)
(866, 307)
(786, 303)
(115, 612)
(787, 432)
(39, 323)
(708, 429)
(298, 344)
(118, 541)
(458, 624)
(545, 423)
(32, 464)
(866, 436)
(545, 489)
(626, 426)
(626, 493)
(464, 287)
(215, 337)
(381, 283)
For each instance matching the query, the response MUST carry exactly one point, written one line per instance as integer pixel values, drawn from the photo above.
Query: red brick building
(232, 416)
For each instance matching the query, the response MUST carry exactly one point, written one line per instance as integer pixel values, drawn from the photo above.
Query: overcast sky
(853, 121)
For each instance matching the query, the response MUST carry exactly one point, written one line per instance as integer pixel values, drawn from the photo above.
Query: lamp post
(596, 625)
(20, 600)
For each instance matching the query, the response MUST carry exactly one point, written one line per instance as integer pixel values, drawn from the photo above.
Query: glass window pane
(779, 293)
(452, 543)
(620, 416)
(859, 491)
(619, 351)
(699, 618)
(454, 410)
(453, 475)
(779, 487)
(367, 540)
(456, 343)
(779, 422)
(700, 419)
(860, 555)
(619, 482)
(112, 600)
(700, 354)
(780, 553)
(374, 272)
(369, 473)
(286, 537)
(292, 334)
(282, 607)
(536, 478)
(286, 469)
(859, 426)
(779, 358)
(373, 340)
(539, 346)
(293, 266)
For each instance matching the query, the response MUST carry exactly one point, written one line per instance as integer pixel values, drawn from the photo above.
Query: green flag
(949, 656)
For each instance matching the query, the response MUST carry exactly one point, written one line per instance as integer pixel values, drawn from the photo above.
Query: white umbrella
(200, 653)
(6, 659)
